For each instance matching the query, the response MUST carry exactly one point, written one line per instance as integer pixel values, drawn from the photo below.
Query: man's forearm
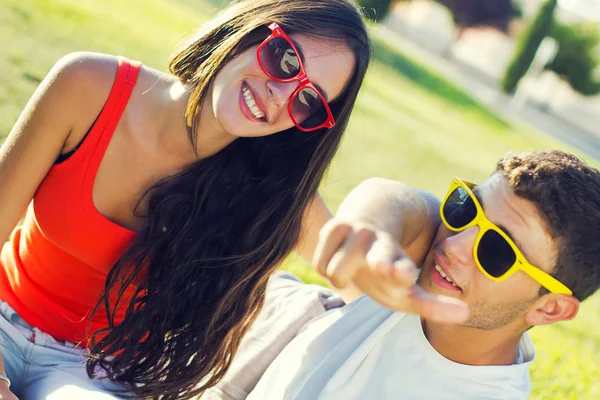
(392, 207)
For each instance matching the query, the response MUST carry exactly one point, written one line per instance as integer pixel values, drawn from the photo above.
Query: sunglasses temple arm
(546, 280)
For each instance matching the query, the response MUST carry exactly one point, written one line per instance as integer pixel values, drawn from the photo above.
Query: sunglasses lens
(308, 110)
(459, 210)
(495, 254)
(279, 59)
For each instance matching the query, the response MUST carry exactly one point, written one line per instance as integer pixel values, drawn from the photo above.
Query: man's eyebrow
(477, 194)
(303, 59)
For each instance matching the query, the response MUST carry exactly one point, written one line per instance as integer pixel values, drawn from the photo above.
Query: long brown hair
(216, 231)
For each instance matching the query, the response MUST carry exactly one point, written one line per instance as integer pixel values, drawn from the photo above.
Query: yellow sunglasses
(496, 255)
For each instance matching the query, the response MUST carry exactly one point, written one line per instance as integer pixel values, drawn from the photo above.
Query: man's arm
(382, 229)
(410, 216)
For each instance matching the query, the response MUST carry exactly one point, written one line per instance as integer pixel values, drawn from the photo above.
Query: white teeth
(438, 269)
(251, 103)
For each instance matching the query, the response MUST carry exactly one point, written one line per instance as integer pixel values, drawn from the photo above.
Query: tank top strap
(105, 126)
(90, 151)
(110, 116)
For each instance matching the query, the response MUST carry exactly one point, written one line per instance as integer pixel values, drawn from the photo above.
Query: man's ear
(551, 308)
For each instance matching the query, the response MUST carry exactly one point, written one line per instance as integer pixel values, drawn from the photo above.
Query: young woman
(163, 202)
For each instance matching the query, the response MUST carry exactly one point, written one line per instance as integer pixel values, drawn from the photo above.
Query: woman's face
(246, 102)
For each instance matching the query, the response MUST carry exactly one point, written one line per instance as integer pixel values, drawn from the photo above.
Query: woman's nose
(280, 92)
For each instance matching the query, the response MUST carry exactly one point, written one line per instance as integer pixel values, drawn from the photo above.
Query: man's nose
(280, 92)
(459, 246)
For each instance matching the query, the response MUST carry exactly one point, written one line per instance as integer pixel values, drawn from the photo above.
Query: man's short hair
(566, 192)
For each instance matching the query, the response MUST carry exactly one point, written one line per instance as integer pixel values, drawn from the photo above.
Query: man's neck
(474, 346)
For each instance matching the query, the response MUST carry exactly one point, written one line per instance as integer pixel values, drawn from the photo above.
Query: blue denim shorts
(41, 367)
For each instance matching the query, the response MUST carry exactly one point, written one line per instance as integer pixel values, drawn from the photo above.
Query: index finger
(331, 238)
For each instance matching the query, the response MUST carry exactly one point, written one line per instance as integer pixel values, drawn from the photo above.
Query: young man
(519, 250)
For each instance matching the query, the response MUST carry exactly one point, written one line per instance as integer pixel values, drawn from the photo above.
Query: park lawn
(409, 125)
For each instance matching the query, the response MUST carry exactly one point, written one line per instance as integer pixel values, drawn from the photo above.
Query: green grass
(409, 125)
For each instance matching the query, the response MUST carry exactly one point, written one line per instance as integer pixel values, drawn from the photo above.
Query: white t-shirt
(366, 351)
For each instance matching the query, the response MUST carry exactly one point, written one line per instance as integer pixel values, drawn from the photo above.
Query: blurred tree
(473, 13)
(467, 13)
(375, 10)
(528, 46)
(577, 57)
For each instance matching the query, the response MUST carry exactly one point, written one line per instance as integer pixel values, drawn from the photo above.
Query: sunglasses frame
(305, 83)
(484, 224)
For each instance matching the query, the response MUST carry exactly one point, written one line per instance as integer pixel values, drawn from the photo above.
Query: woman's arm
(59, 107)
(315, 217)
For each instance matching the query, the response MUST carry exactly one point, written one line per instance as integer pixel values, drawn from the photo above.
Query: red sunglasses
(278, 57)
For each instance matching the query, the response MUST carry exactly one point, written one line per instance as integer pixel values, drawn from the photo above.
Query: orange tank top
(55, 265)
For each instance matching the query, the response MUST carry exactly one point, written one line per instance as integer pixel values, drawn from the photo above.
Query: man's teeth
(438, 269)
(251, 103)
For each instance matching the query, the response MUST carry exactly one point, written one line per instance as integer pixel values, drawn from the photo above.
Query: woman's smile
(252, 105)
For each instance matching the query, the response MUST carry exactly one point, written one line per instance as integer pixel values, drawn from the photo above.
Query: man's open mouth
(443, 274)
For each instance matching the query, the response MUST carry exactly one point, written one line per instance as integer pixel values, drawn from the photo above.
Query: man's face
(492, 304)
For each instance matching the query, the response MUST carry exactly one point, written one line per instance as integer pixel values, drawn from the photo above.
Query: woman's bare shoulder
(89, 75)
(85, 78)
(94, 70)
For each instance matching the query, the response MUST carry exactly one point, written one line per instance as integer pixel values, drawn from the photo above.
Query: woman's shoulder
(83, 80)
(91, 74)
(87, 65)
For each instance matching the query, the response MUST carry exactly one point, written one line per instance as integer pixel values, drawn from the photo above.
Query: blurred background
(454, 85)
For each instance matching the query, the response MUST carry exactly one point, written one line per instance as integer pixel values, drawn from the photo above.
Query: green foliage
(577, 57)
(538, 30)
(517, 9)
(375, 10)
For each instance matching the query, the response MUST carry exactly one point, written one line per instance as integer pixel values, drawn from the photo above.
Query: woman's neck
(210, 136)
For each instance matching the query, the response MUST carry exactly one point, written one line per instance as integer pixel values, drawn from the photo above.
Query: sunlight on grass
(35, 34)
